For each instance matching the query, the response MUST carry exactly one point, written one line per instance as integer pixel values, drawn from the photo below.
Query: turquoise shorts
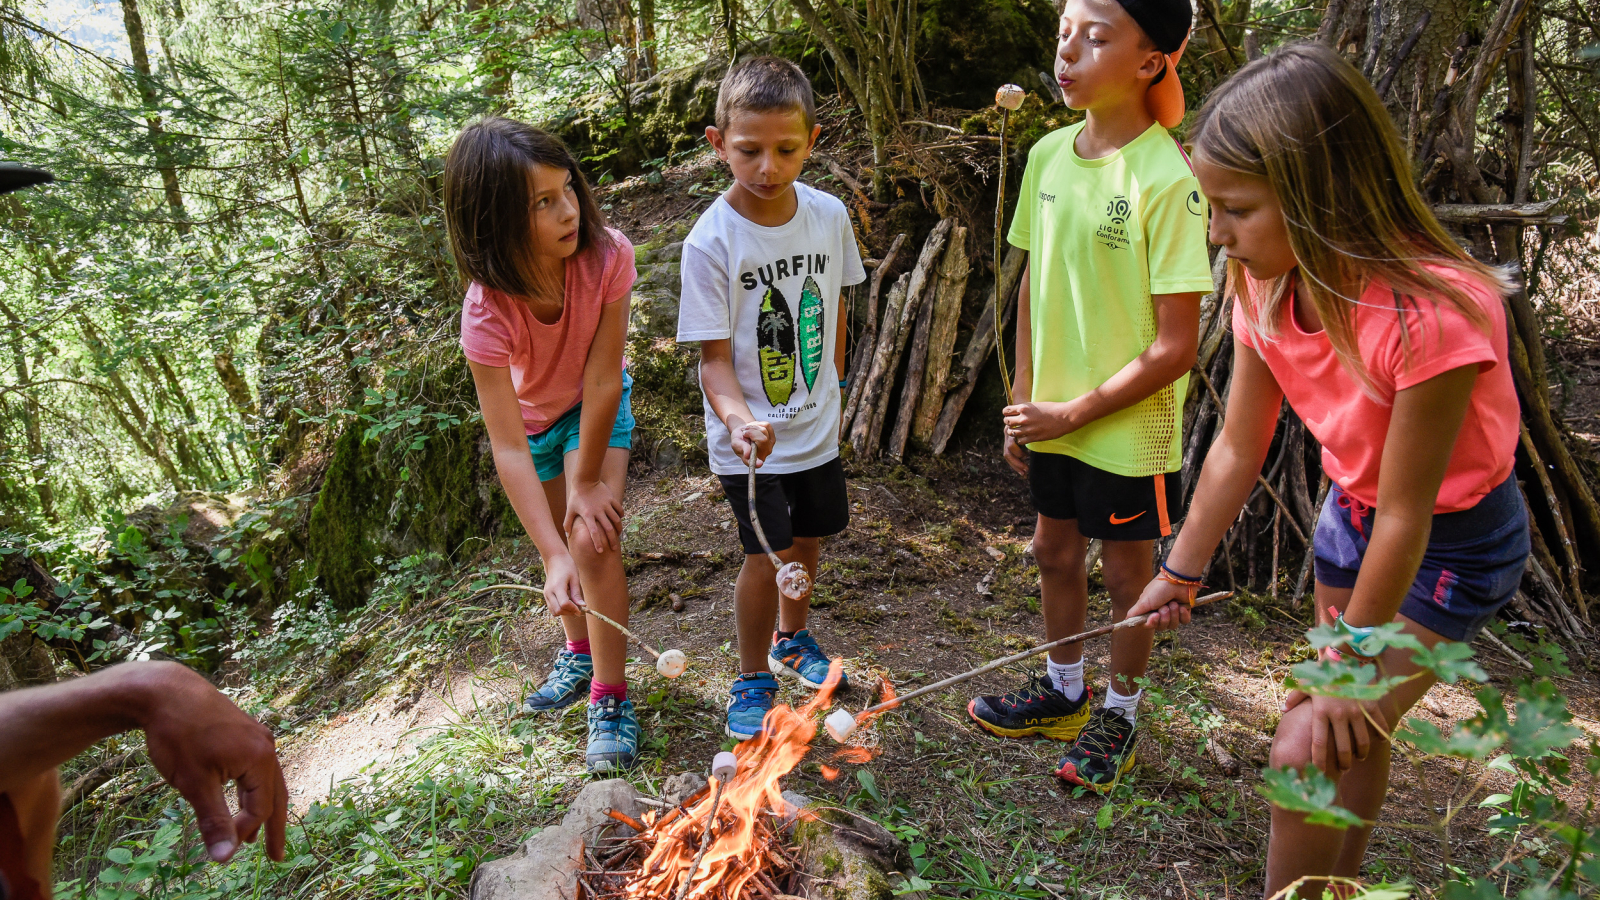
(551, 446)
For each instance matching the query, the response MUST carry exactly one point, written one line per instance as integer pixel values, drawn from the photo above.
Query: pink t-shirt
(1352, 425)
(547, 361)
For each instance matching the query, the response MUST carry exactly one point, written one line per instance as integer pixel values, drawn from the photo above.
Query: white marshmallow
(840, 724)
(793, 580)
(1009, 96)
(671, 663)
(724, 766)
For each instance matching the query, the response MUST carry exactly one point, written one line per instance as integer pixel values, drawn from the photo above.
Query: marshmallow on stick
(669, 663)
(1009, 96)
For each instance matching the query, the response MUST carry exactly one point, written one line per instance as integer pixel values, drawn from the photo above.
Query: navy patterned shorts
(1472, 566)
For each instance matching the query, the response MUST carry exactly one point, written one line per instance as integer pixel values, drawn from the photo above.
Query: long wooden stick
(1017, 657)
(586, 608)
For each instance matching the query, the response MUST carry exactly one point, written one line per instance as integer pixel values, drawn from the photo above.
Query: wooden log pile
(906, 354)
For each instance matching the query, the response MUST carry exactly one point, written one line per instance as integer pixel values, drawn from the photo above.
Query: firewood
(881, 409)
(861, 425)
(922, 288)
(952, 287)
(979, 348)
(869, 336)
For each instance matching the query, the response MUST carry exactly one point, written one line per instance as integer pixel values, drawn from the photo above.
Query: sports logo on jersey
(1195, 206)
(1113, 233)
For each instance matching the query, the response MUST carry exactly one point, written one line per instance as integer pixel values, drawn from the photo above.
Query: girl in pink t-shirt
(1389, 342)
(543, 328)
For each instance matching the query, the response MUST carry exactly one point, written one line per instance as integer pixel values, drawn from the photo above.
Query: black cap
(15, 177)
(1167, 22)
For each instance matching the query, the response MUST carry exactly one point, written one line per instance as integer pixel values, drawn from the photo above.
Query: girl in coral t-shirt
(1390, 344)
(543, 328)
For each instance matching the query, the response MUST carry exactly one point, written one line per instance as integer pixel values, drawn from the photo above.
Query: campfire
(725, 842)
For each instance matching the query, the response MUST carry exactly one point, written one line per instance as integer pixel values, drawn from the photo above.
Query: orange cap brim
(1165, 99)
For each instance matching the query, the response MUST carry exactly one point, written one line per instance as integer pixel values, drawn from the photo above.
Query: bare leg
(1060, 550)
(756, 602)
(555, 493)
(1127, 567)
(1296, 849)
(37, 806)
(605, 584)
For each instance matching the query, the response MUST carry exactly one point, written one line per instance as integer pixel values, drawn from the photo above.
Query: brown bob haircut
(488, 203)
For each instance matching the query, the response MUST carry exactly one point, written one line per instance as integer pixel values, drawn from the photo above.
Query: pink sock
(578, 646)
(599, 690)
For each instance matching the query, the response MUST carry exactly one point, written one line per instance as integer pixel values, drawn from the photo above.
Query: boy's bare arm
(840, 352)
(721, 385)
(1163, 362)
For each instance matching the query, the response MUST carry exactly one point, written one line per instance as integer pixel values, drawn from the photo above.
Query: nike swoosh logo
(1117, 521)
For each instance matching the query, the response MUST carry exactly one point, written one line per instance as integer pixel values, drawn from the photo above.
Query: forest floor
(932, 578)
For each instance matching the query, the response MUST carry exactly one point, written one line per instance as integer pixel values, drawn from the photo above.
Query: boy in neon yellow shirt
(1107, 329)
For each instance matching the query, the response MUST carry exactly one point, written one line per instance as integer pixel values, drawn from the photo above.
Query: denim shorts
(1472, 566)
(551, 446)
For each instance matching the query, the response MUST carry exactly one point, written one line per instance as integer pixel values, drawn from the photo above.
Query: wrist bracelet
(844, 383)
(1195, 579)
(1191, 589)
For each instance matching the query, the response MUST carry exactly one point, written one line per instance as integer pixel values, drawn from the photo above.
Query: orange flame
(734, 854)
(829, 772)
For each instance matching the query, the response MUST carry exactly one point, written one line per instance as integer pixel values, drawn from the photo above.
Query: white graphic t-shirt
(774, 292)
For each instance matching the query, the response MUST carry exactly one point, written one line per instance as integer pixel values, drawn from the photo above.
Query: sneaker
(800, 657)
(1102, 753)
(567, 682)
(751, 698)
(613, 736)
(1036, 709)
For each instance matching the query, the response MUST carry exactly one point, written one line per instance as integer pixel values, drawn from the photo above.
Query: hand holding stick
(840, 723)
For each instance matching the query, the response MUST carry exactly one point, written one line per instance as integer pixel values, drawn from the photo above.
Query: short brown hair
(765, 84)
(488, 203)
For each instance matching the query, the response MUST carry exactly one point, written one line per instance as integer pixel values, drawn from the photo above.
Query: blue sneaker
(567, 682)
(613, 736)
(800, 657)
(752, 697)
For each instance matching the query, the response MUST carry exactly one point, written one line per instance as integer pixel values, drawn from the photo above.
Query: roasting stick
(1008, 98)
(840, 723)
(723, 767)
(669, 663)
(793, 579)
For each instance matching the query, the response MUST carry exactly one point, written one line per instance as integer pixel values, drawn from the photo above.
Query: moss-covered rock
(851, 857)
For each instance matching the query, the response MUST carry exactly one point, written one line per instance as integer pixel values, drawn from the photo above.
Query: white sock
(1127, 704)
(1067, 677)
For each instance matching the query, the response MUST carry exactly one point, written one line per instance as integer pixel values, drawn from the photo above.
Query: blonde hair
(1309, 123)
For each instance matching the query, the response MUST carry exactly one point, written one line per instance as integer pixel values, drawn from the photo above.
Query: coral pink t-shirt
(1352, 424)
(547, 361)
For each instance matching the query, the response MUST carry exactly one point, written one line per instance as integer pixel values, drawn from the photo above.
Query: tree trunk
(147, 93)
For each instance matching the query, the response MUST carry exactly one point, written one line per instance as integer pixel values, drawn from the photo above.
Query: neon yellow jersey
(1102, 236)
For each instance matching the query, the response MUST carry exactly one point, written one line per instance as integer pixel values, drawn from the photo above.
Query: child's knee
(1059, 553)
(1291, 743)
(580, 541)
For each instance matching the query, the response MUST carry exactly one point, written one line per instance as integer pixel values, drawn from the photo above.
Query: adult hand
(594, 504)
(753, 437)
(562, 592)
(1030, 423)
(1341, 730)
(1165, 603)
(1016, 455)
(199, 741)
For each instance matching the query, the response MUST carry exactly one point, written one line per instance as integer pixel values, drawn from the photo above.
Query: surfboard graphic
(811, 331)
(775, 346)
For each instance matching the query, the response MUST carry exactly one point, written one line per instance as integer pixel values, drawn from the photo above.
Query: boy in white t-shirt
(763, 270)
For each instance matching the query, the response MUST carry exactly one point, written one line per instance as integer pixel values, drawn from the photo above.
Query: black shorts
(811, 503)
(1108, 506)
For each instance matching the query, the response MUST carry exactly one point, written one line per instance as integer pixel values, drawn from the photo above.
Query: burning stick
(669, 663)
(840, 724)
(1008, 98)
(723, 767)
(793, 579)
